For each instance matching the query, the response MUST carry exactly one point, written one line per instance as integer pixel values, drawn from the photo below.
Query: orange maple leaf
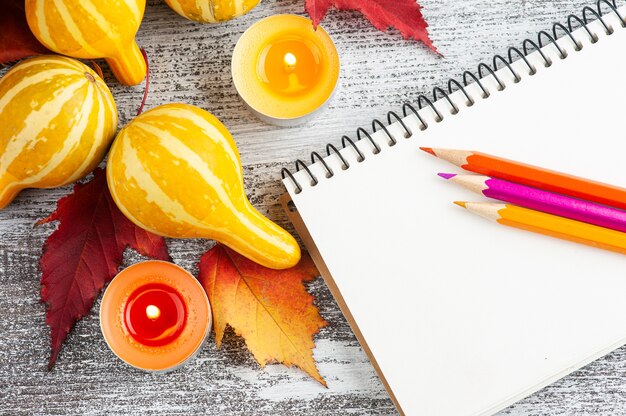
(270, 309)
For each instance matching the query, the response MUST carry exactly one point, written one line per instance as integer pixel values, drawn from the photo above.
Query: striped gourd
(57, 118)
(91, 29)
(175, 171)
(211, 11)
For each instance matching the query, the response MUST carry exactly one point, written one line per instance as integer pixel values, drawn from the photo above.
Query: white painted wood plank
(191, 63)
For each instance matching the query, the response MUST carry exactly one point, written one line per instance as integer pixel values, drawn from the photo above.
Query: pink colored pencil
(544, 201)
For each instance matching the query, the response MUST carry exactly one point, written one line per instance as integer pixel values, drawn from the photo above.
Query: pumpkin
(175, 171)
(92, 29)
(57, 119)
(211, 11)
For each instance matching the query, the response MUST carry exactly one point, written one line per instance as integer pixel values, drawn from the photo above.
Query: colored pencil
(540, 200)
(533, 176)
(548, 224)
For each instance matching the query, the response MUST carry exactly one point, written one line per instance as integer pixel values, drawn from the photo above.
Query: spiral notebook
(460, 316)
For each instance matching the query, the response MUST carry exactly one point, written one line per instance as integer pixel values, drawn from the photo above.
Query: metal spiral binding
(528, 46)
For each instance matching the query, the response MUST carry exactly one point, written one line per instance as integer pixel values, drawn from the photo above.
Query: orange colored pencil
(534, 176)
(548, 224)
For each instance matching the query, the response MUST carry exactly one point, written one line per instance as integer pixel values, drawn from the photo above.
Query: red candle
(155, 315)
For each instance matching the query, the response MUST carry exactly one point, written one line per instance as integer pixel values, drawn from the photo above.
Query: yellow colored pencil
(548, 224)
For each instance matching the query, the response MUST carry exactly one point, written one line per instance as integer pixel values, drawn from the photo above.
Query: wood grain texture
(191, 63)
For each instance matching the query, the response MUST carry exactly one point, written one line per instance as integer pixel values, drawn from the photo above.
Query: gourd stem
(130, 66)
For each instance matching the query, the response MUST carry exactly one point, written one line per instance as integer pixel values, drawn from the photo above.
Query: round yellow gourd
(57, 118)
(92, 29)
(175, 171)
(211, 11)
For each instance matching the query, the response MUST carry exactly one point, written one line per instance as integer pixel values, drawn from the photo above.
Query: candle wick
(290, 62)
(153, 312)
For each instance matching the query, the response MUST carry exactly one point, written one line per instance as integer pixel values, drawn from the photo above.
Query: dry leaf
(16, 39)
(270, 309)
(84, 253)
(404, 15)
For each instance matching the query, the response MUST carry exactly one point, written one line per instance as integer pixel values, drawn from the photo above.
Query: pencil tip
(428, 150)
(447, 175)
(461, 203)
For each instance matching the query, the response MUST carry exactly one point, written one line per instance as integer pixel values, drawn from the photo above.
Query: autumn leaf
(270, 309)
(84, 253)
(404, 15)
(16, 39)
(317, 9)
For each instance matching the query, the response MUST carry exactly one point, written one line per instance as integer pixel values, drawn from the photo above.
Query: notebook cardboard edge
(303, 232)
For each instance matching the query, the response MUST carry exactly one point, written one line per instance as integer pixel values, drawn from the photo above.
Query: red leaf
(84, 253)
(147, 87)
(404, 15)
(317, 9)
(270, 309)
(16, 39)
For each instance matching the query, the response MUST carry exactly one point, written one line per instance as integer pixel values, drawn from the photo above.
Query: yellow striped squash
(211, 11)
(175, 171)
(57, 119)
(91, 29)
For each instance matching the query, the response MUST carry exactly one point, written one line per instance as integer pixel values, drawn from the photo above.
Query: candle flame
(152, 312)
(290, 60)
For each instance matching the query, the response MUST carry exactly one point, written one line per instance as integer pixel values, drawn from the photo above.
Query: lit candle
(155, 316)
(285, 70)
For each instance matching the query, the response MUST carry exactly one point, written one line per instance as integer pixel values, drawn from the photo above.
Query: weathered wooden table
(191, 63)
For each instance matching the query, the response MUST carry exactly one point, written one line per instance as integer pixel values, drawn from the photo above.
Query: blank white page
(465, 316)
